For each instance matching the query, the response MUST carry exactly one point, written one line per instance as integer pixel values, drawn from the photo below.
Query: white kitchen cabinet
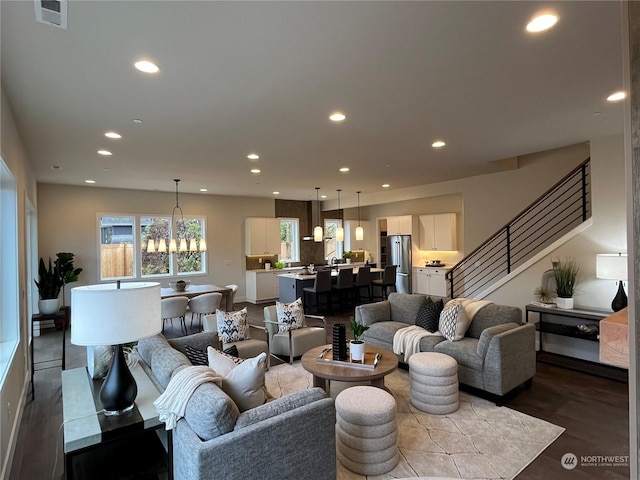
(430, 281)
(263, 285)
(350, 242)
(400, 225)
(438, 232)
(262, 236)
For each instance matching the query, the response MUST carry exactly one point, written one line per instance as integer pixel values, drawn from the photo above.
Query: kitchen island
(291, 284)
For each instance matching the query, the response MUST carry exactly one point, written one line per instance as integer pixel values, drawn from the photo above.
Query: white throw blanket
(406, 341)
(471, 306)
(173, 401)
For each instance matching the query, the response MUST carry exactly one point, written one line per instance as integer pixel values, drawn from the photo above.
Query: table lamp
(114, 314)
(613, 266)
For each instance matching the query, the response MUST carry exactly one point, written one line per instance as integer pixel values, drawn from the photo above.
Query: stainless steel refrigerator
(399, 254)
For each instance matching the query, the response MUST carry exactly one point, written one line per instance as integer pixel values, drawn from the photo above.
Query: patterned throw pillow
(291, 314)
(453, 321)
(233, 326)
(196, 356)
(429, 315)
(232, 350)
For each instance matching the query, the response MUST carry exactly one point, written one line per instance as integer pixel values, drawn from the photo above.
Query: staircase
(562, 209)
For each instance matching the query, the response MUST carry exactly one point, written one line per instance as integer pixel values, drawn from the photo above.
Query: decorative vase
(339, 342)
(357, 348)
(49, 306)
(348, 261)
(565, 303)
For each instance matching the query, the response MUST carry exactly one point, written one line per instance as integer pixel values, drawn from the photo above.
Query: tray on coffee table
(371, 359)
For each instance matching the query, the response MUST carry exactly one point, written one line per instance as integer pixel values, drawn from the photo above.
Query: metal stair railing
(563, 207)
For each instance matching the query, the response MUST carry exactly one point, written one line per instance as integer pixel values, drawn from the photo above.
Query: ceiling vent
(52, 12)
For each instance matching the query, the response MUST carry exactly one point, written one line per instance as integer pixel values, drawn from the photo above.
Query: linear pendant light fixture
(359, 229)
(339, 230)
(317, 231)
(176, 244)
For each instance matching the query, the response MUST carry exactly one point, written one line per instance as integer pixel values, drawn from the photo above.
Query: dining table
(194, 290)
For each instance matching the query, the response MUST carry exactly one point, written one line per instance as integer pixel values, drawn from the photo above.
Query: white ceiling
(241, 77)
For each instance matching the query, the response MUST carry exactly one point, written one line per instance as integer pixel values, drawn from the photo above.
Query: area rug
(478, 441)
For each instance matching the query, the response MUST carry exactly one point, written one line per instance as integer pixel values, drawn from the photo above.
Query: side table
(64, 314)
(87, 428)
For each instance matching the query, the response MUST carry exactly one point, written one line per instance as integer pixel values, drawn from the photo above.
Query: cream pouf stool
(366, 430)
(433, 382)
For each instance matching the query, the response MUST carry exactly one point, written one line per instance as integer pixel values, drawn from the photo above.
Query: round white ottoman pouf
(366, 430)
(433, 382)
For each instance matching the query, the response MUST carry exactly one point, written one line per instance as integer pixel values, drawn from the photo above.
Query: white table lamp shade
(611, 266)
(106, 315)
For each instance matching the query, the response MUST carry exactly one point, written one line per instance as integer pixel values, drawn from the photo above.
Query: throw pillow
(243, 382)
(221, 362)
(290, 314)
(453, 322)
(196, 356)
(232, 350)
(233, 326)
(429, 315)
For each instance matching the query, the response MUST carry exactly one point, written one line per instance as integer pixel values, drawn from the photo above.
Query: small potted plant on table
(565, 273)
(347, 256)
(357, 346)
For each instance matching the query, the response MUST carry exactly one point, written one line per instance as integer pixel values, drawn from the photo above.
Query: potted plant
(49, 287)
(68, 273)
(357, 346)
(565, 273)
(347, 256)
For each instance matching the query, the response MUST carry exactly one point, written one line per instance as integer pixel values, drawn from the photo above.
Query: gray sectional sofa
(496, 355)
(286, 438)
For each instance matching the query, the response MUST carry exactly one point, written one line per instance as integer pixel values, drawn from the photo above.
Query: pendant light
(359, 229)
(317, 231)
(339, 230)
(180, 245)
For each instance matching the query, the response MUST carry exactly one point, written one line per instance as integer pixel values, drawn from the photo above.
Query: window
(8, 269)
(290, 240)
(332, 248)
(121, 251)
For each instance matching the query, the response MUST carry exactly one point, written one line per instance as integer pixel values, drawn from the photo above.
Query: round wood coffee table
(323, 372)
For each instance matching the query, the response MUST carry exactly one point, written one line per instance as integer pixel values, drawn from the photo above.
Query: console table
(63, 315)
(87, 429)
(582, 353)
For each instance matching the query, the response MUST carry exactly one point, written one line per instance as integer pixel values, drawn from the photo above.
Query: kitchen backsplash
(256, 262)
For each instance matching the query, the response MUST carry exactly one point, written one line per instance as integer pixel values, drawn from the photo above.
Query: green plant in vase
(565, 274)
(357, 346)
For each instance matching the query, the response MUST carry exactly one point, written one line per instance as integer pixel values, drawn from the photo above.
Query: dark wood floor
(593, 410)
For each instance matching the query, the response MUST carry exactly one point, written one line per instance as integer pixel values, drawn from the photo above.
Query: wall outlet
(260, 260)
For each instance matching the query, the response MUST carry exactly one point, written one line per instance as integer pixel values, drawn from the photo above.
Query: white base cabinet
(263, 285)
(430, 281)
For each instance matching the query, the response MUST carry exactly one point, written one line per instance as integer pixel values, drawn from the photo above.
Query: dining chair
(363, 280)
(232, 296)
(321, 286)
(385, 283)
(203, 305)
(344, 286)
(174, 307)
(293, 342)
(247, 348)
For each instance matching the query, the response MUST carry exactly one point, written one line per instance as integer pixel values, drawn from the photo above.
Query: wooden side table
(64, 315)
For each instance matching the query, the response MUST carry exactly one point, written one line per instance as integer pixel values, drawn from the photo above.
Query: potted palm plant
(565, 273)
(49, 287)
(357, 345)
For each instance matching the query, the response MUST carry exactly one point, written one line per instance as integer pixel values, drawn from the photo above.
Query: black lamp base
(620, 300)
(119, 390)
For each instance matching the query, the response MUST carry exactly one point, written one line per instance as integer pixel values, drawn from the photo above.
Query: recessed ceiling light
(276, 193)
(253, 156)
(105, 153)
(255, 170)
(90, 181)
(137, 121)
(541, 23)
(344, 169)
(337, 117)
(114, 135)
(438, 144)
(146, 66)
(323, 196)
(204, 190)
(385, 185)
(616, 97)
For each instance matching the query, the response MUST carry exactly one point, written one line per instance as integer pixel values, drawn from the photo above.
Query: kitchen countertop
(299, 276)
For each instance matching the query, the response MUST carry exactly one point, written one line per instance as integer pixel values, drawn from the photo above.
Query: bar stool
(321, 286)
(363, 280)
(387, 281)
(344, 286)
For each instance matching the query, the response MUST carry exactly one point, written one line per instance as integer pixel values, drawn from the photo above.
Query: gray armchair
(292, 343)
(246, 348)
